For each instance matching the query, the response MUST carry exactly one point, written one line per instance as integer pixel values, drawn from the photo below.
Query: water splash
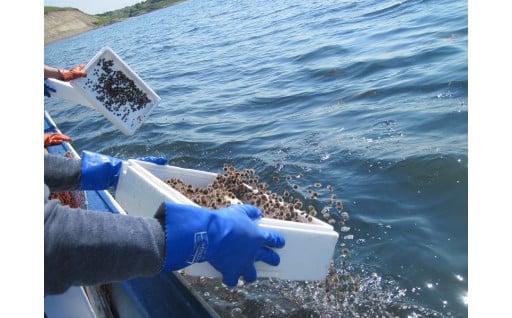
(342, 294)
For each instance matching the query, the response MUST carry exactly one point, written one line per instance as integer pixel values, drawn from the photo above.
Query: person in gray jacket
(84, 247)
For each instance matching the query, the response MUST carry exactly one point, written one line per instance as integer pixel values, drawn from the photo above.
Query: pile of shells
(235, 186)
(118, 93)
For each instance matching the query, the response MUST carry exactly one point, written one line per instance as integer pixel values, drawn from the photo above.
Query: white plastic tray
(309, 247)
(116, 91)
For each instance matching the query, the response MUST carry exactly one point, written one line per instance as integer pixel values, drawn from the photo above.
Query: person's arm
(227, 238)
(62, 173)
(64, 75)
(93, 171)
(52, 72)
(83, 247)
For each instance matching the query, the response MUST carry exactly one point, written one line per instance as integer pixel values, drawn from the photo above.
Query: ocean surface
(370, 97)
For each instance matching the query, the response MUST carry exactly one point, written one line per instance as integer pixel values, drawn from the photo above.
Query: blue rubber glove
(156, 160)
(48, 88)
(227, 238)
(100, 172)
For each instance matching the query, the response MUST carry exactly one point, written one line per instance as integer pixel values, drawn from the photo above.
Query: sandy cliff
(63, 24)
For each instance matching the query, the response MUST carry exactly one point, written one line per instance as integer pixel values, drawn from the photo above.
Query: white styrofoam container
(306, 255)
(65, 91)
(125, 99)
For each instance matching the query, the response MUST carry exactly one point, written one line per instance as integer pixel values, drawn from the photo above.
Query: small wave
(321, 52)
(430, 169)
(382, 11)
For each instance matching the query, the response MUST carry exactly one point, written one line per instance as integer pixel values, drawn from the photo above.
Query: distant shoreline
(63, 24)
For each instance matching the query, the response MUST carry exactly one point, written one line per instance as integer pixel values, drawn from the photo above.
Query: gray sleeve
(83, 247)
(62, 173)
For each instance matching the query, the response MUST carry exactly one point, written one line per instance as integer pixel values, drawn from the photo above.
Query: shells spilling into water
(235, 186)
(118, 93)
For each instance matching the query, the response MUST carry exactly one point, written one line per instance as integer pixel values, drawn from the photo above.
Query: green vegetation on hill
(139, 8)
(123, 13)
(51, 9)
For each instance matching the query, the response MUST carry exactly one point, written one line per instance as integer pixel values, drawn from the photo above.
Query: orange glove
(55, 139)
(74, 73)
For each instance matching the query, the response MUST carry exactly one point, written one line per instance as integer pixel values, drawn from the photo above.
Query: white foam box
(306, 255)
(114, 89)
(65, 91)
